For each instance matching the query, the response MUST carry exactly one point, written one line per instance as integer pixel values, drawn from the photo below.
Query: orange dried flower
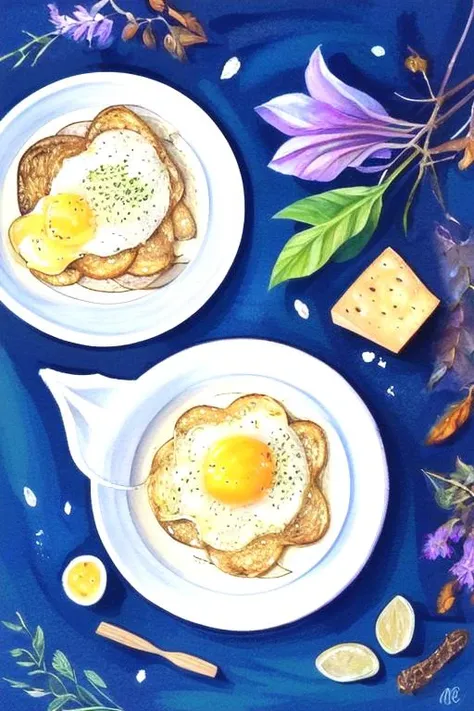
(129, 31)
(446, 597)
(414, 63)
(468, 157)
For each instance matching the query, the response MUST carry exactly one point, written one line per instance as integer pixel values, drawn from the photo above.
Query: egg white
(181, 493)
(125, 184)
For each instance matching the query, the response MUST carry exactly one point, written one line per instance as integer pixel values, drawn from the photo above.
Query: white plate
(118, 319)
(167, 573)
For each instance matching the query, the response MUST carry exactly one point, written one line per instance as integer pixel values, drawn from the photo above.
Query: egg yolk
(84, 579)
(49, 240)
(238, 470)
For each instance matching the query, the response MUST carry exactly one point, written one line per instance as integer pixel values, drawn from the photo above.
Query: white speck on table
(40, 532)
(382, 363)
(368, 356)
(230, 68)
(391, 391)
(30, 496)
(301, 309)
(141, 676)
(67, 508)
(378, 51)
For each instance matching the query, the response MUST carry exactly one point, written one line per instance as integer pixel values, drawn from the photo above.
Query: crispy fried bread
(309, 525)
(184, 225)
(40, 163)
(157, 254)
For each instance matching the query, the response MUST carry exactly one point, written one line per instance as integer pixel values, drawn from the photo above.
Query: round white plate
(115, 319)
(176, 577)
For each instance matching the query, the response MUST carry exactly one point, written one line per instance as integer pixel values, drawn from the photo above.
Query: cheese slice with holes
(387, 304)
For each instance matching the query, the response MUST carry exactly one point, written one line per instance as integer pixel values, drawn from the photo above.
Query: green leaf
(86, 696)
(26, 664)
(17, 652)
(11, 626)
(16, 684)
(340, 214)
(95, 679)
(38, 643)
(62, 665)
(36, 693)
(60, 702)
(356, 244)
(464, 473)
(56, 686)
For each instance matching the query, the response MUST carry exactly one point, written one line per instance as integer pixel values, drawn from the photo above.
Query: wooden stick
(179, 659)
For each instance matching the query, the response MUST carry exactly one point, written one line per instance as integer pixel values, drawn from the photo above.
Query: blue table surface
(272, 669)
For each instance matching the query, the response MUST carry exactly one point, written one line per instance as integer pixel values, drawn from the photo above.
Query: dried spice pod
(149, 39)
(157, 5)
(452, 419)
(419, 675)
(130, 30)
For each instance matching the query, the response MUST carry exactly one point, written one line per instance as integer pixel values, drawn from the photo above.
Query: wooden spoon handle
(128, 639)
(192, 663)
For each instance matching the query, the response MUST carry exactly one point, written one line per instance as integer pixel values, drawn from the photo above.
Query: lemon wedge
(348, 662)
(395, 625)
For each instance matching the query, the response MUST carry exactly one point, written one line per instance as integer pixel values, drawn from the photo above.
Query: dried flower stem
(451, 482)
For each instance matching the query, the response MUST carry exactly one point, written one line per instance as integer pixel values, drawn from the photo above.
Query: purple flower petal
(313, 158)
(464, 568)
(77, 32)
(103, 33)
(457, 533)
(297, 114)
(436, 545)
(326, 87)
(81, 14)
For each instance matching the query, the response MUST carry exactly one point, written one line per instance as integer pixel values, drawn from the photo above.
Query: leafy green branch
(343, 221)
(60, 685)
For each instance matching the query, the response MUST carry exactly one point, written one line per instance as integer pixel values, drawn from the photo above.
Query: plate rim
(81, 336)
(235, 625)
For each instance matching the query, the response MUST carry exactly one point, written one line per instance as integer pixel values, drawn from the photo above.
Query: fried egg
(109, 198)
(236, 480)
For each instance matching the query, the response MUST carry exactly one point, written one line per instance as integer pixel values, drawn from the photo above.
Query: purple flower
(457, 532)
(464, 568)
(333, 128)
(436, 544)
(83, 25)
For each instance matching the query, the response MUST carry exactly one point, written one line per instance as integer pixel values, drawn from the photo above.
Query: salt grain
(301, 309)
(378, 51)
(230, 68)
(30, 497)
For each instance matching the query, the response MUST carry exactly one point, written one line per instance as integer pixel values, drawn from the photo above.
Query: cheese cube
(386, 304)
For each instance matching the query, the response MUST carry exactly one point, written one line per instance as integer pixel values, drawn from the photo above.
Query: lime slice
(395, 625)
(348, 662)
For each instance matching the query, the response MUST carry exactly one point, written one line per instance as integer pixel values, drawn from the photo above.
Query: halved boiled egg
(84, 580)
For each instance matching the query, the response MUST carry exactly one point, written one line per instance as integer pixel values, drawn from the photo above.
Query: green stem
(97, 708)
(397, 171)
(102, 693)
(21, 50)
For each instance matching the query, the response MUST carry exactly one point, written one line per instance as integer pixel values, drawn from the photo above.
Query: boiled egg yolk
(54, 236)
(238, 470)
(83, 579)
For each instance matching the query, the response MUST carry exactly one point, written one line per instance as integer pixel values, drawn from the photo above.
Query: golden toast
(259, 556)
(41, 163)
